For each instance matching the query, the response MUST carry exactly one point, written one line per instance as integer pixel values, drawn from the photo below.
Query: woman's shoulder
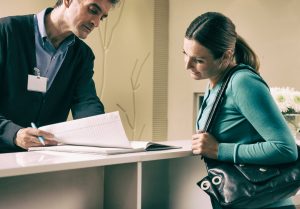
(245, 83)
(243, 70)
(245, 76)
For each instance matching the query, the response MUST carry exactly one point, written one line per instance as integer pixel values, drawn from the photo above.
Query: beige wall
(125, 43)
(271, 27)
(123, 46)
(17, 7)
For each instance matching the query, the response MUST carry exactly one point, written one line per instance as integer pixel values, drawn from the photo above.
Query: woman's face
(200, 62)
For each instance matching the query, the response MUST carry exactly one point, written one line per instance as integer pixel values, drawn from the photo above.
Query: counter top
(22, 163)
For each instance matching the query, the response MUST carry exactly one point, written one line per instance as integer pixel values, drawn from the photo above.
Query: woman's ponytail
(244, 54)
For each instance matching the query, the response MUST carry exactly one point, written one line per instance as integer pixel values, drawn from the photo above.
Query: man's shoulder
(16, 20)
(83, 47)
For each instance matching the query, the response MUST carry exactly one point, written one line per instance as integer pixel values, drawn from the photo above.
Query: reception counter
(146, 180)
(48, 180)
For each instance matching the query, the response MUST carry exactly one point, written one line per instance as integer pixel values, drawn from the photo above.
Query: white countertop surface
(21, 163)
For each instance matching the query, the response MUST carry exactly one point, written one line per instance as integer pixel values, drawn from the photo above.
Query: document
(100, 134)
(105, 130)
(135, 146)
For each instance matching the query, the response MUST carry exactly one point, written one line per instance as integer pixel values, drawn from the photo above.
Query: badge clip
(37, 72)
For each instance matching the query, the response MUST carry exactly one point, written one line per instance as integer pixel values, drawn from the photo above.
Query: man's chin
(82, 35)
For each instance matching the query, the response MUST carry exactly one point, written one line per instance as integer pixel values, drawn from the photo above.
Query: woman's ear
(228, 55)
(226, 59)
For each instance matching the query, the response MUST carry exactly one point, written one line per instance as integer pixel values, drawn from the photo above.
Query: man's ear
(67, 3)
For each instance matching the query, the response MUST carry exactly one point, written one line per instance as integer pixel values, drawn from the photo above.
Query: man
(46, 70)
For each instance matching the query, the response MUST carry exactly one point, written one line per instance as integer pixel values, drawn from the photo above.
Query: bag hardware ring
(205, 185)
(216, 180)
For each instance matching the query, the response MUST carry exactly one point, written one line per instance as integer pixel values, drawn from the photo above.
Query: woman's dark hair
(59, 2)
(217, 33)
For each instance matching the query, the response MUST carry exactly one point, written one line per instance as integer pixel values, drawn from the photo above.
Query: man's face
(83, 16)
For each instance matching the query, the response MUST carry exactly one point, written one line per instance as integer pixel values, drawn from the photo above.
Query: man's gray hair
(59, 2)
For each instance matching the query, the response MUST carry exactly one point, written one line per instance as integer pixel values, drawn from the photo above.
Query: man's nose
(96, 21)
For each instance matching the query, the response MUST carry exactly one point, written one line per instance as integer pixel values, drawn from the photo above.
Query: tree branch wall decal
(106, 37)
(135, 85)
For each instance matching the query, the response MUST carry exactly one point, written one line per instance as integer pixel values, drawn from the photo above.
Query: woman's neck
(219, 77)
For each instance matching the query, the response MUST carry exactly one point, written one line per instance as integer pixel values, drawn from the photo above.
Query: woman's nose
(188, 63)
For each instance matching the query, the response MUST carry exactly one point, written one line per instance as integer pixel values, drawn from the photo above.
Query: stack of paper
(101, 134)
(105, 130)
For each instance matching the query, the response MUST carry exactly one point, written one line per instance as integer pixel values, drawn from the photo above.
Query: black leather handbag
(246, 186)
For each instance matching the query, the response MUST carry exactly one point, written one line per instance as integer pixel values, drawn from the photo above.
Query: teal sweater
(249, 126)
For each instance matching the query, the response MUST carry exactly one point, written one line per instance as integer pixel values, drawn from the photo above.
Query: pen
(41, 139)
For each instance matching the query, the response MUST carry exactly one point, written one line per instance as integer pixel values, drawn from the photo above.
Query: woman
(249, 127)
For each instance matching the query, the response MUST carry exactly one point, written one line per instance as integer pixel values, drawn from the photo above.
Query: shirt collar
(41, 23)
(42, 29)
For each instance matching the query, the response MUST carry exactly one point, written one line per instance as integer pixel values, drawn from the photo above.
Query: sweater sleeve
(85, 101)
(254, 101)
(8, 129)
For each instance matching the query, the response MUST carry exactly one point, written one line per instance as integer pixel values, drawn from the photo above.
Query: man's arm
(8, 129)
(86, 102)
(8, 132)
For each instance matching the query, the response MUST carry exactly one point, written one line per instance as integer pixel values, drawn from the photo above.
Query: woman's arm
(254, 101)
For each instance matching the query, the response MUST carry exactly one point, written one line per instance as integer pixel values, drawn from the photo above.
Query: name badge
(37, 83)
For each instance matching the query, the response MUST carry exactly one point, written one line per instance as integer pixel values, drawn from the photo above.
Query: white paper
(87, 149)
(105, 130)
(136, 146)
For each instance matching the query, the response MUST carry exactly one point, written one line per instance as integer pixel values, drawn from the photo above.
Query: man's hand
(27, 137)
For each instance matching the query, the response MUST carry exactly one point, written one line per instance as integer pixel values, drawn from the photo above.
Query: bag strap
(220, 95)
(213, 112)
(218, 101)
